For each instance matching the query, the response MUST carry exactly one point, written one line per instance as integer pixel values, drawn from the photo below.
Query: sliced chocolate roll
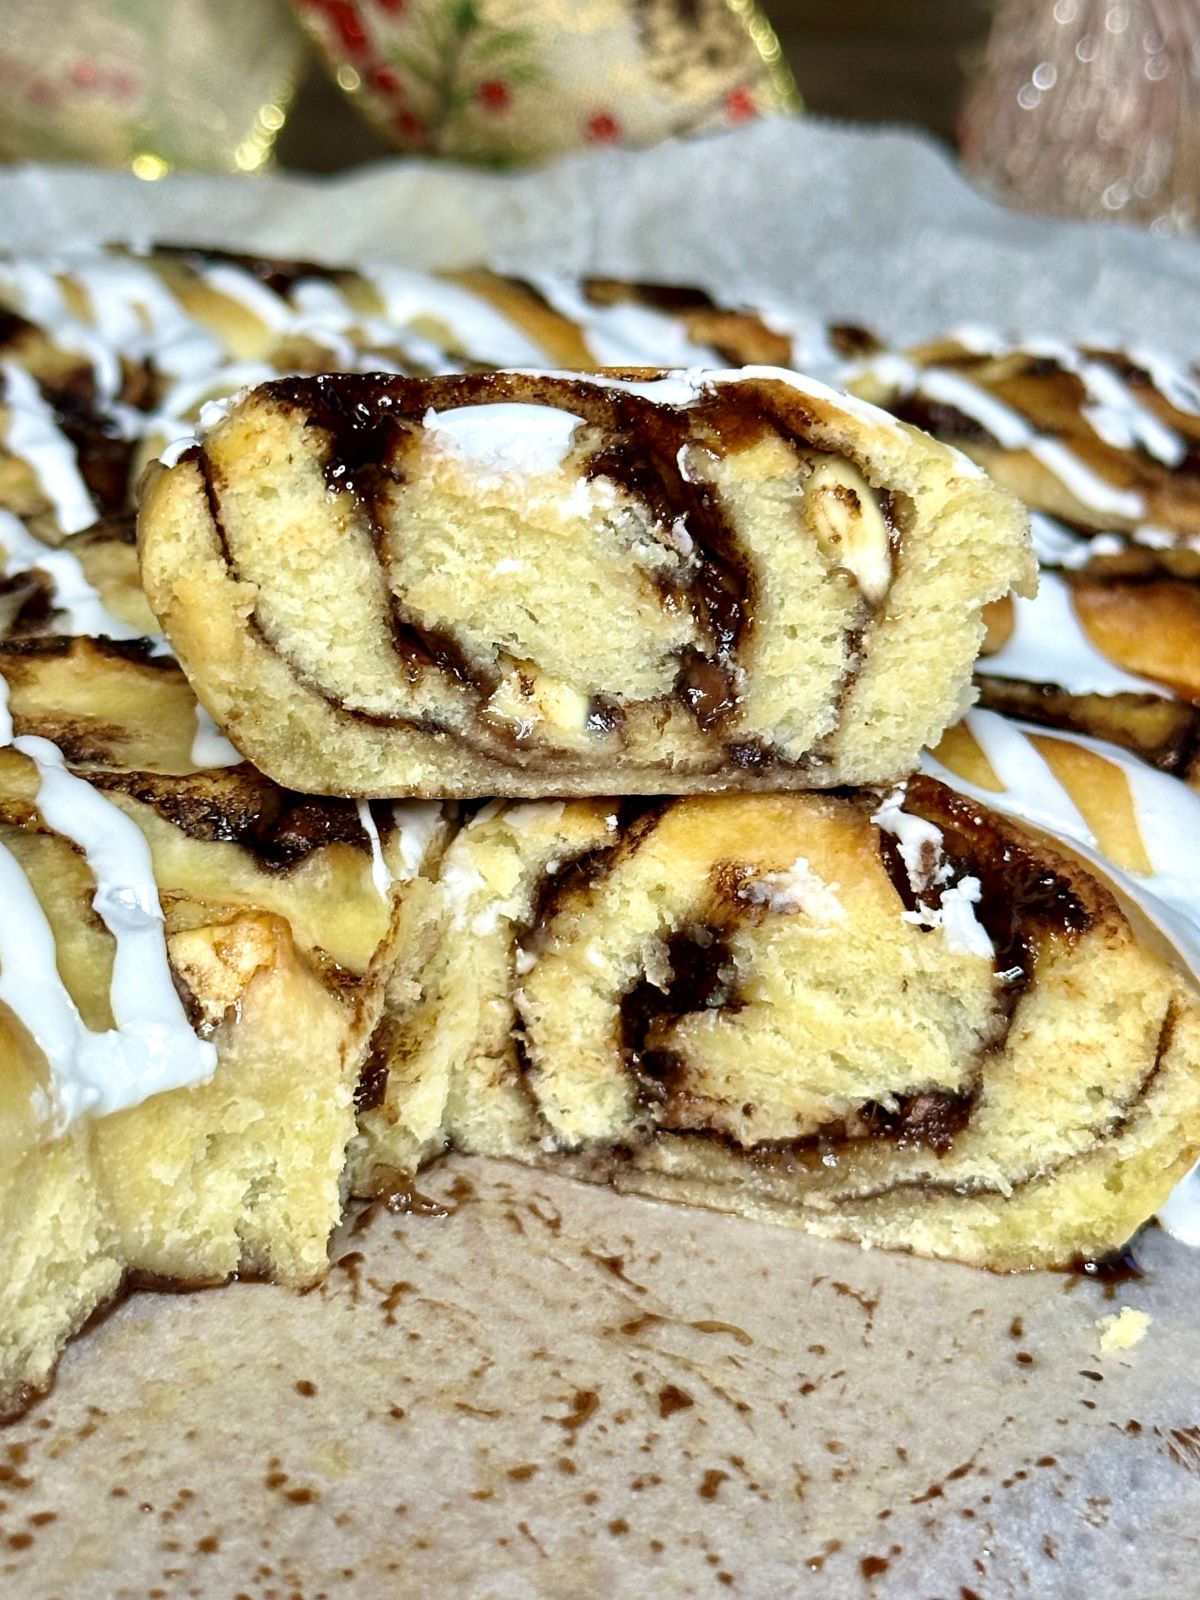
(907, 1022)
(519, 584)
(192, 969)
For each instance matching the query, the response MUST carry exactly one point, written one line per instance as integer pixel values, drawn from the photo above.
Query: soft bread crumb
(1122, 1330)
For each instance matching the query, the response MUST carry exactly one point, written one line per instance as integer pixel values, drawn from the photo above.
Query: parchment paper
(551, 1391)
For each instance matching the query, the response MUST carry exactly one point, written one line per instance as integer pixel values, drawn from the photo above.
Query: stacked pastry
(715, 941)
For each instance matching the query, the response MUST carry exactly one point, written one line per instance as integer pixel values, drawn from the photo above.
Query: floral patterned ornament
(147, 84)
(504, 81)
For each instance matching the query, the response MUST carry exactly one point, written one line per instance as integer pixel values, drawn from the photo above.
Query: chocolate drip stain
(1110, 1271)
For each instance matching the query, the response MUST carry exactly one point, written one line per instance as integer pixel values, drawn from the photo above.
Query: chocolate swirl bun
(518, 584)
(191, 976)
(909, 1024)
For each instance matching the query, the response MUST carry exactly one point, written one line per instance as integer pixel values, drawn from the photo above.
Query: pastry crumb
(1123, 1330)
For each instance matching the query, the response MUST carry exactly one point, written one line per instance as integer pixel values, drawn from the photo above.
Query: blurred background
(866, 60)
(1074, 107)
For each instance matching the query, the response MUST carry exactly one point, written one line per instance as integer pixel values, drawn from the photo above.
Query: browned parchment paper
(555, 1392)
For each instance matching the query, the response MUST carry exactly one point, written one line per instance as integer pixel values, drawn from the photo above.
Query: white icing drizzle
(683, 387)
(33, 434)
(1176, 386)
(137, 314)
(918, 842)
(1010, 430)
(625, 334)
(1048, 645)
(246, 290)
(920, 846)
(35, 291)
(312, 306)
(811, 351)
(483, 334)
(1121, 420)
(1056, 545)
(461, 881)
(210, 747)
(316, 308)
(1167, 814)
(1114, 412)
(955, 916)
(417, 823)
(83, 611)
(979, 339)
(322, 310)
(797, 889)
(380, 876)
(503, 439)
(151, 1049)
